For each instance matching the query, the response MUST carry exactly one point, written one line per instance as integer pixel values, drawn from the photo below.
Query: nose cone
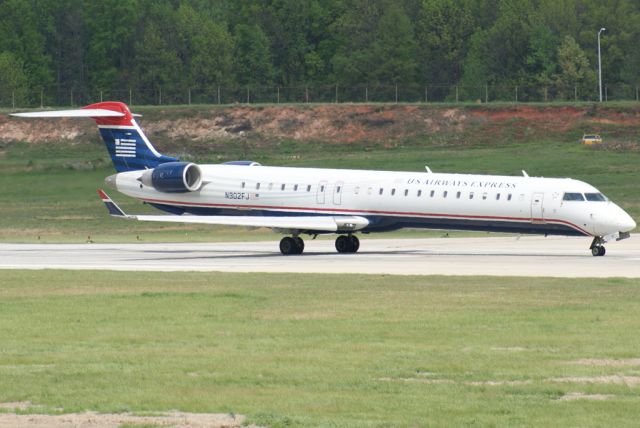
(111, 181)
(626, 223)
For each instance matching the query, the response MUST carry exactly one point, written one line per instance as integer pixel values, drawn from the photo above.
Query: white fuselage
(391, 200)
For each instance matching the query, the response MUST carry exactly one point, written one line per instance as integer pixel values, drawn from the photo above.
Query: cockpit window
(573, 197)
(595, 197)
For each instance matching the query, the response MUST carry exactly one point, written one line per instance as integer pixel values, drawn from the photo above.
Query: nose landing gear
(597, 247)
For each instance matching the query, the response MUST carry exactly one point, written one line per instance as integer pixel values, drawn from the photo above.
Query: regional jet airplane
(312, 201)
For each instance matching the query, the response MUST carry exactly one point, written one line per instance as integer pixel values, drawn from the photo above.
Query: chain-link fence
(319, 94)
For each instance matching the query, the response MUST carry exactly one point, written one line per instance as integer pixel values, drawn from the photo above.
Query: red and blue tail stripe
(129, 148)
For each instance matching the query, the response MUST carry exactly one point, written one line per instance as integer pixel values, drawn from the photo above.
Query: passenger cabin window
(257, 186)
(322, 188)
(406, 192)
(433, 192)
(458, 195)
(282, 187)
(573, 197)
(484, 196)
(595, 197)
(509, 197)
(243, 184)
(380, 191)
(444, 194)
(419, 193)
(338, 189)
(393, 192)
(497, 196)
(308, 187)
(295, 187)
(471, 195)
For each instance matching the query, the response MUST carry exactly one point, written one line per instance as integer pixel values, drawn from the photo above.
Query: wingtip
(103, 195)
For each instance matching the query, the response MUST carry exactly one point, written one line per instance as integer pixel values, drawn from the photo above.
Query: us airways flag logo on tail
(125, 148)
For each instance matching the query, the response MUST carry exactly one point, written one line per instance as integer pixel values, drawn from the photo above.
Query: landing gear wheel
(347, 244)
(288, 246)
(299, 244)
(342, 244)
(597, 247)
(355, 243)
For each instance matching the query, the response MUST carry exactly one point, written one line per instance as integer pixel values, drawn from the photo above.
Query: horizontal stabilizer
(98, 112)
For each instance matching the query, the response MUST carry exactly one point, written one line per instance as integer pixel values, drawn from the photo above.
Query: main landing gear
(290, 245)
(347, 244)
(597, 247)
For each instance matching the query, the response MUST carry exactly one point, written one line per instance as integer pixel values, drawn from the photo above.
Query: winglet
(113, 208)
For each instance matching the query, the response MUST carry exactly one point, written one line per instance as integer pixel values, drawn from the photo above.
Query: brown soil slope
(194, 128)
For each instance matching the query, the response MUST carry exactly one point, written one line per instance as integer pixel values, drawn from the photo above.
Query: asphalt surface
(510, 256)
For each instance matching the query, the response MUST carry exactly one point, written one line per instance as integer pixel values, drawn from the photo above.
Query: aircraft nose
(626, 224)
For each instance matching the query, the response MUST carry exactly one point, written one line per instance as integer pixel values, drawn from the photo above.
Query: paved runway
(525, 256)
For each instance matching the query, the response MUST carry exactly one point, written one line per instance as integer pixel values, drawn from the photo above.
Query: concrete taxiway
(504, 256)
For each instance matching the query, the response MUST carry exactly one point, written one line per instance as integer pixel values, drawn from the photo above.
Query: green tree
(498, 56)
(13, 80)
(443, 31)
(252, 57)
(112, 26)
(66, 41)
(394, 50)
(541, 63)
(355, 33)
(212, 60)
(156, 65)
(20, 35)
(575, 71)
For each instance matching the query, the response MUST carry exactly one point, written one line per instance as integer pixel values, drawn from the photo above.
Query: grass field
(325, 350)
(48, 194)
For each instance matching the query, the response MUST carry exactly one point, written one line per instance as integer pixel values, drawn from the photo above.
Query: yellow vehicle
(590, 139)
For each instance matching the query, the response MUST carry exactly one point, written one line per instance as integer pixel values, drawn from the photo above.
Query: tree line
(87, 45)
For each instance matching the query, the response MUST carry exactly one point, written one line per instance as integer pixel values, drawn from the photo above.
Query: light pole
(600, 63)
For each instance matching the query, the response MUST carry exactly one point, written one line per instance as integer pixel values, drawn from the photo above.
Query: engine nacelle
(174, 177)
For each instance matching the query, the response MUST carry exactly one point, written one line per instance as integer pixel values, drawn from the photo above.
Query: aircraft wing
(301, 223)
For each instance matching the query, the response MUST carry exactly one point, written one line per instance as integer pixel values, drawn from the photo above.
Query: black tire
(288, 246)
(602, 251)
(342, 244)
(299, 244)
(595, 251)
(355, 243)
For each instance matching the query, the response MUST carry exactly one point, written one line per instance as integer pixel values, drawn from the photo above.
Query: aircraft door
(537, 210)
(322, 187)
(337, 192)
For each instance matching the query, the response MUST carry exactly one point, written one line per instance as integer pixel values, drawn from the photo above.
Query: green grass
(48, 193)
(320, 350)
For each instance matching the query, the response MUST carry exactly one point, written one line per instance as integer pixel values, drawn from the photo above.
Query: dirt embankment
(195, 128)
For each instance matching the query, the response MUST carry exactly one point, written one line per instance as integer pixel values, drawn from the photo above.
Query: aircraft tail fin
(129, 148)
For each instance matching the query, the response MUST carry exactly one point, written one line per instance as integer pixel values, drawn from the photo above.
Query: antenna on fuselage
(524, 173)
(428, 169)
